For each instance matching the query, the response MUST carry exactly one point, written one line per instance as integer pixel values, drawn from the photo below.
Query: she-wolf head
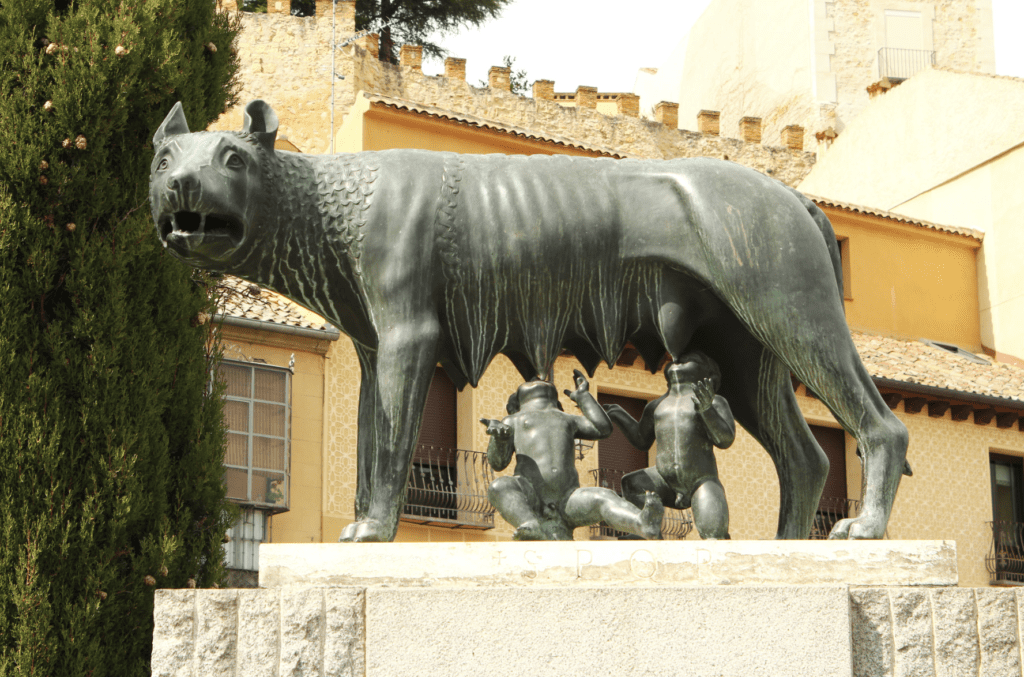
(205, 188)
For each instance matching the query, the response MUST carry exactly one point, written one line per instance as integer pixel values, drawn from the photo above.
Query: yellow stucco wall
(385, 128)
(301, 524)
(988, 196)
(906, 281)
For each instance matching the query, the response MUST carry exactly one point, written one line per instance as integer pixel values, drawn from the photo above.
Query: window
(906, 50)
(447, 486)
(1006, 488)
(903, 29)
(257, 412)
(844, 258)
(1005, 561)
(242, 551)
(834, 504)
(615, 455)
(434, 477)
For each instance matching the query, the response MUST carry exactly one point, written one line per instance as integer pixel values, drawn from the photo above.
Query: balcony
(676, 525)
(899, 64)
(830, 511)
(448, 488)
(1005, 560)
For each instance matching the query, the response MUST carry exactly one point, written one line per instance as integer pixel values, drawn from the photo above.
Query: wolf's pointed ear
(172, 125)
(261, 120)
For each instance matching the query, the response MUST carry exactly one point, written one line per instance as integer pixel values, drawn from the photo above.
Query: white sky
(602, 43)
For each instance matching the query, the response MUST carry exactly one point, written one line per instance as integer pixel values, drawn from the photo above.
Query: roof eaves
(473, 121)
(328, 333)
(859, 209)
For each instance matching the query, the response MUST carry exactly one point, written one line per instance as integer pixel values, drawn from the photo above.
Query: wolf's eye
(233, 161)
(162, 166)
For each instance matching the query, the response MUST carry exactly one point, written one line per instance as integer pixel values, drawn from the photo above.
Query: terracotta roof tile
(922, 364)
(473, 121)
(827, 202)
(250, 301)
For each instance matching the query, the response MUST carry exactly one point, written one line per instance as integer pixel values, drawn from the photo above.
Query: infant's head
(693, 367)
(533, 390)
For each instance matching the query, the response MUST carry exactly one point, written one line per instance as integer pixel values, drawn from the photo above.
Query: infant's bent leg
(636, 484)
(590, 505)
(517, 502)
(710, 511)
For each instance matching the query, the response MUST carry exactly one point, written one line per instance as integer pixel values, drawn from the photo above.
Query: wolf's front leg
(405, 362)
(366, 444)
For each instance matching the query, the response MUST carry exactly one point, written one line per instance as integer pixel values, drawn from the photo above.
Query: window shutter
(439, 418)
(616, 456)
(903, 30)
(833, 442)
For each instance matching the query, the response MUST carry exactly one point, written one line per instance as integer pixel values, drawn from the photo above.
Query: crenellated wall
(287, 61)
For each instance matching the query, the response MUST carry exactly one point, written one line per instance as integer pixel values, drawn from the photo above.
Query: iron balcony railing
(899, 64)
(830, 511)
(1005, 560)
(675, 526)
(448, 488)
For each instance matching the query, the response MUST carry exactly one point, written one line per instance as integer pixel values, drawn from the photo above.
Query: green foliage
(412, 21)
(111, 442)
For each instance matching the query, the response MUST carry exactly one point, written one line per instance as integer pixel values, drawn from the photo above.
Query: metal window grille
(1005, 559)
(242, 551)
(257, 410)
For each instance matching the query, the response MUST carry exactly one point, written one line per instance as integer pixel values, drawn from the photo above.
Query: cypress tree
(111, 438)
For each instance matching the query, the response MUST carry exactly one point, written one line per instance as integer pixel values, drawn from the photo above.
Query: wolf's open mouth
(190, 223)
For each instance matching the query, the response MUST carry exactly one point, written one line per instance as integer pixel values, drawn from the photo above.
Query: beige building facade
(953, 152)
(810, 62)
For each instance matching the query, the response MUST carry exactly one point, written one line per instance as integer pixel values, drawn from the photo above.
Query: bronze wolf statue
(424, 257)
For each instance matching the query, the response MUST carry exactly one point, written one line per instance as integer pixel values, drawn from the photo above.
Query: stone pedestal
(595, 608)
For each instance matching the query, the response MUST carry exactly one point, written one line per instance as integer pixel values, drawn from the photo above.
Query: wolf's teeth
(202, 223)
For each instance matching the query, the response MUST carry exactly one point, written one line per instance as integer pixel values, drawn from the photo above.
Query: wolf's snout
(186, 187)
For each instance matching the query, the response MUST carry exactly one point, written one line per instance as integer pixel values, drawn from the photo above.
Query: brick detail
(793, 137)
(544, 89)
(629, 105)
(708, 122)
(346, 16)
(279, 7)
(586, 97)
(498, 78)
(667, 113)
(411, 56)
(750, 130)
(455, 69)
(371, 43)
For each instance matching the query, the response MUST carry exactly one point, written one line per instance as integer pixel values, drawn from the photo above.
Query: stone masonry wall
(961, 35)
(287, 62)
(945, 632)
